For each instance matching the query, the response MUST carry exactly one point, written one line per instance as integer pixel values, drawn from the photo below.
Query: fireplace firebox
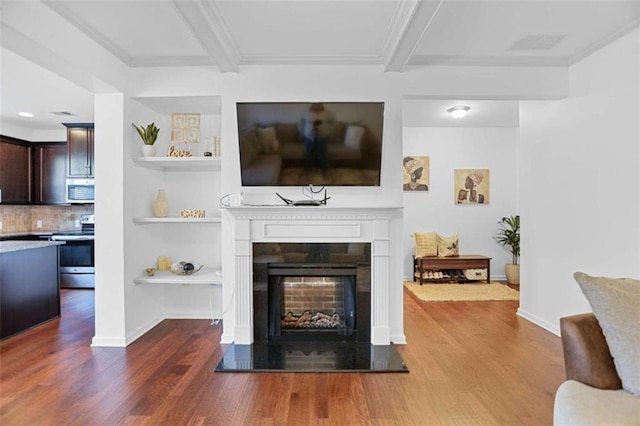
(318, 300)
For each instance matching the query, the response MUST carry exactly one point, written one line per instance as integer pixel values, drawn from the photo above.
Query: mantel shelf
(191, 164)
(213, 219)
(206, 276)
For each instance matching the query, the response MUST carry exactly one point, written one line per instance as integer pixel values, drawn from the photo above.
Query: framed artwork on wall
(471, 186)
(415, 173)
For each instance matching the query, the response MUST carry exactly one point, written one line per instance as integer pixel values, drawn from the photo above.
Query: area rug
(462, 292)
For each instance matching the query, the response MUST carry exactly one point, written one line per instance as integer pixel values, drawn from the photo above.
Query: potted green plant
(509, 236)
(148, 134)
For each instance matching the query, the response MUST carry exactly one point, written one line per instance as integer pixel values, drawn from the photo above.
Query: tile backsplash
(17, 219)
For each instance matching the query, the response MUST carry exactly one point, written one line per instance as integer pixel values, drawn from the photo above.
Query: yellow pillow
(448, 246)
(426, 244)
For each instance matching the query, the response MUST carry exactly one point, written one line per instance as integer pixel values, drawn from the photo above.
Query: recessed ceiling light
(25, 114)
(458, 111)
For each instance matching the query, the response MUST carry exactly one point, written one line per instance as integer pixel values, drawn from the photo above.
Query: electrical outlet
(38, 224)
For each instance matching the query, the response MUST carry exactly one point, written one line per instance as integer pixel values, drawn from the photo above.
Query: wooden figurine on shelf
(173, 152)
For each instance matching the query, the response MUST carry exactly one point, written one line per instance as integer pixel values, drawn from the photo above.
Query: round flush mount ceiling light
(25, 114)
(458, 111)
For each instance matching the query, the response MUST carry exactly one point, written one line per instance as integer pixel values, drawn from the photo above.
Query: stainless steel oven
(77, 255)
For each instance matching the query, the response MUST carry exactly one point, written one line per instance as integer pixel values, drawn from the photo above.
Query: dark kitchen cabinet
(15, 171)
(29, 288)
(80, 150)
(49, 173)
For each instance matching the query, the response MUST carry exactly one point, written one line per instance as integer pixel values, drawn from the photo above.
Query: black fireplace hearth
(316, 357)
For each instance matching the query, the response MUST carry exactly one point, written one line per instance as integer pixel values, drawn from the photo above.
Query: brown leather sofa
(586, 354)
(593, 393)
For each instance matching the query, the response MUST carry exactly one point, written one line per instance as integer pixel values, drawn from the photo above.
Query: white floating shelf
(212, 219)
(188, 164)
(205, 276)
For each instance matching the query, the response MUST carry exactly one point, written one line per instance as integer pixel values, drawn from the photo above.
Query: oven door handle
(72, 238)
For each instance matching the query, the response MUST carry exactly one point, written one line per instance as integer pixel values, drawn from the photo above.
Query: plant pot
(148, 150)
(513, 273)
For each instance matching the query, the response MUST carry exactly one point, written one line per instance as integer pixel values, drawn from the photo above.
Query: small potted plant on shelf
(509, 235)
(149, 134)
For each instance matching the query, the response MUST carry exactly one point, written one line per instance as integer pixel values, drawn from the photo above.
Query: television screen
(317, 143)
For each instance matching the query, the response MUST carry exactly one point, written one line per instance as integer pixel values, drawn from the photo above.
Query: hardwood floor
(470, 363)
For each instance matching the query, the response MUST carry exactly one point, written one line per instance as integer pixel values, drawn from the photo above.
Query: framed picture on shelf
(185, 127)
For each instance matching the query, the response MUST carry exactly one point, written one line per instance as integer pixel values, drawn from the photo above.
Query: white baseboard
(226, 339)
(398, 339)
(555, 329)
(108, 342)
(136, 334)
(192, 315)
(132, 337)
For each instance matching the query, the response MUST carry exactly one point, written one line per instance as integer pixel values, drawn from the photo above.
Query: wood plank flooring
(471, 363)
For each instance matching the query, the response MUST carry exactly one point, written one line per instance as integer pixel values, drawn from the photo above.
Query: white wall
(462, 148)
(580, 183)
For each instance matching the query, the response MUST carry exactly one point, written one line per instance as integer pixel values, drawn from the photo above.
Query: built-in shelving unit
(191, 164)
(205, 276)
(213, 219)
(190, 183)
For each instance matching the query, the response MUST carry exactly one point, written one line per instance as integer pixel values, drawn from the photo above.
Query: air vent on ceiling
(65, 113)
(537, 42)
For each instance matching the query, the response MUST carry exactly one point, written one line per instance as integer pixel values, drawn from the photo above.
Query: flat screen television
(310, 143)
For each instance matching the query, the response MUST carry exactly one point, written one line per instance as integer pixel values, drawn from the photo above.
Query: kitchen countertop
(9, 246)
(36, 234)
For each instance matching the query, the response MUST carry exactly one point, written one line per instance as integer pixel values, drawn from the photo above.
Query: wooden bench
(469, 261)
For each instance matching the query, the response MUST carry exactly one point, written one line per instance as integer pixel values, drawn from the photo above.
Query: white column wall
(110, 300)
(580, 183)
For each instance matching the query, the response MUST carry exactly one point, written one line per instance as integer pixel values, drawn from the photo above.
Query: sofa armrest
(586, 352)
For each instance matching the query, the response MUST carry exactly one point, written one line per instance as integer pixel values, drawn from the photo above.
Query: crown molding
(407, 31)
(312, 60)
(489, 61)
(171, 61)
(206, 23)
(604, 41)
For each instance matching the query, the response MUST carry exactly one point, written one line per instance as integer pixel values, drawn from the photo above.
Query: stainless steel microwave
(80, 191)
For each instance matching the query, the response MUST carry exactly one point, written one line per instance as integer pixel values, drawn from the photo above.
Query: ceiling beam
(204, 20)
(410, 23)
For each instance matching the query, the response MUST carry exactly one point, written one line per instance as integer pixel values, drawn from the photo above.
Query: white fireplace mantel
(321, 224)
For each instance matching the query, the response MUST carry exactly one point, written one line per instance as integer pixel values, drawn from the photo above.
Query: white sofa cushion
(579, 404)
(615, 303)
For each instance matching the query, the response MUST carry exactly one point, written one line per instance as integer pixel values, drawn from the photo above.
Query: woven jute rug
(462, 292)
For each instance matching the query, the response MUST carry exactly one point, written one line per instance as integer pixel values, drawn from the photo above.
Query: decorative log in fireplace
(312, 289)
